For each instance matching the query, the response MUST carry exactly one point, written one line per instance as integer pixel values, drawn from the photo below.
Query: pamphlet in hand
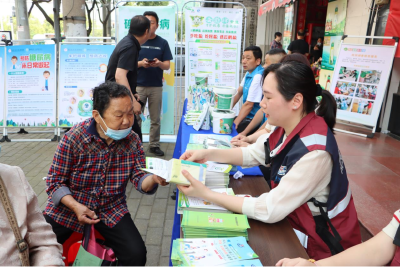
(171, 170)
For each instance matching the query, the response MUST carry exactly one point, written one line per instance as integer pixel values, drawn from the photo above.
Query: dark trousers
(136, 128)
(124, 238)
(243, 125)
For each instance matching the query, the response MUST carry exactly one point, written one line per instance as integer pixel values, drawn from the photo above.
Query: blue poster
(30, 86)
(2, 101)
(82, 67)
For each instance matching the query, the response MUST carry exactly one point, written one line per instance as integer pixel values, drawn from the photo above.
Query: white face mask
(318, 43)
(115, 134)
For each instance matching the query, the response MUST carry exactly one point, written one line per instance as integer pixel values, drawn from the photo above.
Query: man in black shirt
(123, 63)
(154, 58)
(299, 45)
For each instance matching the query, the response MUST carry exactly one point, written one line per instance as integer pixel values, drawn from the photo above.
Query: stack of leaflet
(198, 204)
(217, 175)
(232, 251)
(209, 141)
(209, 224)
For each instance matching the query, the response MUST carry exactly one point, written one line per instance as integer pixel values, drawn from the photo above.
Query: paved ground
(153, 215)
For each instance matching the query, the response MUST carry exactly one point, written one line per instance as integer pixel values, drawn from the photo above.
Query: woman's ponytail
(327, 108)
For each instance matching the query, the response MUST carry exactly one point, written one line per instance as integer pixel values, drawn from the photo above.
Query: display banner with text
(166, 30)
(31, 86)
(213, 46)
(360, 81)
(82, 67)
(2, 103)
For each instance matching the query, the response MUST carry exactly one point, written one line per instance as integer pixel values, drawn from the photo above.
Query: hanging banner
(213, 48)
(334, 29)
(82, 67)
(31, 86)
(166, 30)
(287, 34)
(360, 81)
(2, 101)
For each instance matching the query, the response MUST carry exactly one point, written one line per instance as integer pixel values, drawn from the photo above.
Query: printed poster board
(213, 46)
(82, 67)
(166, 30)
(31, 86)
(2, 106)
(360, 81)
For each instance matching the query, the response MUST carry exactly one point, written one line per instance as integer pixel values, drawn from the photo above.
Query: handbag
(22, 245)
(93, 253)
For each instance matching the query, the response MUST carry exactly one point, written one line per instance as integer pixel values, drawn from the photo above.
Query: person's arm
(293, 190)
(263, 126)
(120, 78)
(377, 251)
(143, 182)
(232, 156)
(42, 242)
(274, 206)
(255, 122)
(254, 96)
(253, 138)
(238, 95)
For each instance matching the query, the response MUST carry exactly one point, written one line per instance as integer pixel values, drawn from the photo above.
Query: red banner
(392, 25)
(271, 5)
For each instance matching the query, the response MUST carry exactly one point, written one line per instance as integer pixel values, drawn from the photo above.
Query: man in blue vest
(250, 87)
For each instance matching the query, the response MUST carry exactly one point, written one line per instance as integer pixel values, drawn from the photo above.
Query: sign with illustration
(287, 33)
(82, 67)
(166, 30)
(359, 82)
(213, 50)
(30, 86)
(334, 29)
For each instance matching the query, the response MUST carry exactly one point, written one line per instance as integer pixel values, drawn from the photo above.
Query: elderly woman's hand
(85, 215)
(159, 180)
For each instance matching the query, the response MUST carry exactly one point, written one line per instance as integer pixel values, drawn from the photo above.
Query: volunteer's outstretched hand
(199, 156)
(195, 189)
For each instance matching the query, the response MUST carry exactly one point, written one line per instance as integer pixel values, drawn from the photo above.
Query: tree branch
(98, 10)
(30, 10)
(48, 19)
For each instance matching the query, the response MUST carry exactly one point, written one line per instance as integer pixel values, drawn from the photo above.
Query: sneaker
(157, 151)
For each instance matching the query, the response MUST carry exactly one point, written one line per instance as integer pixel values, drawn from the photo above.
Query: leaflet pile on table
(211, 224)
(209, 141)
(198, 204)
(233, 251)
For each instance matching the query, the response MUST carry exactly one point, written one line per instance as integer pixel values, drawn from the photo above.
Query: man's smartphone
(151, 61)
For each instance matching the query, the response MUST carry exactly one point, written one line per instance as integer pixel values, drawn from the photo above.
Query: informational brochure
(214, 251)
(171, 170)
(199, 204)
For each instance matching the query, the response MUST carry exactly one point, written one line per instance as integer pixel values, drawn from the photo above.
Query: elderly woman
(36, 235)
(91, 169)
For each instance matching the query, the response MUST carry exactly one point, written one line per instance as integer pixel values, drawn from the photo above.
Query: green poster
(334, 29)
(166, 30)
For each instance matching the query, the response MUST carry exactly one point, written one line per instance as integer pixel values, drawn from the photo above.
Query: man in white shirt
(251, 89)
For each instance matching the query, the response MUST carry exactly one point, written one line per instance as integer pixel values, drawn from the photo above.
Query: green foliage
(180, 18)
(152, 3)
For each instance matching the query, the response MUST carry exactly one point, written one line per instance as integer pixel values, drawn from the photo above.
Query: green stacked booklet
(210, 224)
(199, 204)
(213, 252)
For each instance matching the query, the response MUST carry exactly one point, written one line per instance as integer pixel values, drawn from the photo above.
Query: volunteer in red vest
(383, 249)
(308, 176)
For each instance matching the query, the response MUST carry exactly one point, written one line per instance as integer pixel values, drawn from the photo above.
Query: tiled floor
(373, 167)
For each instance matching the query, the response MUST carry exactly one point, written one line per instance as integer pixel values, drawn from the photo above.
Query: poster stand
(396, 39)
(243, 37)
(85, 41)
(163, 138)
(5, 137)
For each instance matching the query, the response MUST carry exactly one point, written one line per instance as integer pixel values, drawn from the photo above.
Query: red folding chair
(71, 247)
